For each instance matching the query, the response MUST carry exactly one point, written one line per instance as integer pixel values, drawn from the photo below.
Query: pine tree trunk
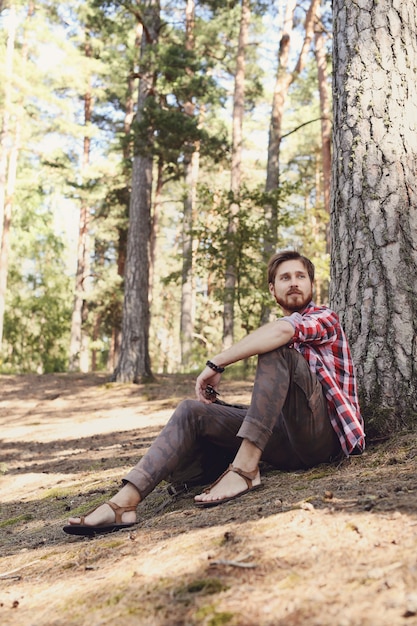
(78, 348)
(116, 333)
(283, 81)
(10, 146)
(374, 217)
(326, 124)
(79, 344)
(134, 363)
(5, 141)
(187, 283)
(236, 174)
(191, 166)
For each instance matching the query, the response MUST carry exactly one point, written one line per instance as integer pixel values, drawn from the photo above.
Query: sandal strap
(248, 477)
(119, 510)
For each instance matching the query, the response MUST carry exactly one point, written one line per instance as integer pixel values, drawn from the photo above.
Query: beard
(294, 301)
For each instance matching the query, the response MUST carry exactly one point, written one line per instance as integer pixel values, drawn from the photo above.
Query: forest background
(153, 156)
(72, 90)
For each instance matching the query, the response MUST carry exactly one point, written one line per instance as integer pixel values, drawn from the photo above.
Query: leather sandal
(84, 530)
(247, 476)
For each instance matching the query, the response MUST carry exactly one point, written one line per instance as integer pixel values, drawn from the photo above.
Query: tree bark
(374, 200)
(134, 363)
(236, 175)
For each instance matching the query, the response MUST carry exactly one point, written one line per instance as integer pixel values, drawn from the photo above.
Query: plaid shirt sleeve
(319, 337)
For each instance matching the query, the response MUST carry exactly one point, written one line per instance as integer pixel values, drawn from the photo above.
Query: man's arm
(265, 339)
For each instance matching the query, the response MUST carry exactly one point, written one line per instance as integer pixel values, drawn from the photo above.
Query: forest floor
(332, 546)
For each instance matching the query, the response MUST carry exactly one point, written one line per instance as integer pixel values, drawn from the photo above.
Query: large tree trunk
(134, 363)
(236, 175)
(374, 216)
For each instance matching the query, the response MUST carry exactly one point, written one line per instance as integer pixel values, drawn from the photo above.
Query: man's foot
(232, 484)
(107, 518)
(116, 514)
(104, 515)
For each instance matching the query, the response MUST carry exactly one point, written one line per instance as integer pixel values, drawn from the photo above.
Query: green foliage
(38, 307)
(189, 106)
(217, 249)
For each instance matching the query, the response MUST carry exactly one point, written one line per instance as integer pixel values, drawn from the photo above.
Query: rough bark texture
(134, 363)
(374, 218)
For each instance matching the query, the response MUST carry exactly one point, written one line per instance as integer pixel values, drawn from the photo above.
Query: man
(304, 408)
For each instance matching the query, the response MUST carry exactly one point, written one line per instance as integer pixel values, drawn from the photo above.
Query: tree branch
(294, 130)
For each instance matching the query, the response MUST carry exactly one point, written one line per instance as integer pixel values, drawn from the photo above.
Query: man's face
(292, 288)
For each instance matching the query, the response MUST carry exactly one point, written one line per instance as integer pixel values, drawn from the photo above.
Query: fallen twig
(232, 563)
(12, 571)
(238, 563)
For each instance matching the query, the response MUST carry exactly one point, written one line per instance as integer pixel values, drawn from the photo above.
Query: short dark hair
(288, 255)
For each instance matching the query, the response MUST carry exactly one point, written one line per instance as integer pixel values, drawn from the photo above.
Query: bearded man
(304, 408)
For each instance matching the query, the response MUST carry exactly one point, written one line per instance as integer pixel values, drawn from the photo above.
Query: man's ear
(271, 289)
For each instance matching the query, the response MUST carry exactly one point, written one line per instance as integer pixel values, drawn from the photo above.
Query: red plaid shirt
(319, 337)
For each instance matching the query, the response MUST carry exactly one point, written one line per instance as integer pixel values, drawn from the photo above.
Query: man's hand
(206, 378)
(266, 338)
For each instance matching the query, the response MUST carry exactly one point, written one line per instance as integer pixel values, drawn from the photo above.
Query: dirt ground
(332, 546)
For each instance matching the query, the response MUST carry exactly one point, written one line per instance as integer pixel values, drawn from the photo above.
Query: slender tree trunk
(284, 80)
(191, 166)
(79, 343)
(374, 200)
(326, 124)
(10, 146)
(134, 363)
(282, 83)
(116, 333)
(5, 136)
(5, 141)
(236, 175)
(159, 185)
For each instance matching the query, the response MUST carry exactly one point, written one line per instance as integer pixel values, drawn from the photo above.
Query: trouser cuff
(255, 432)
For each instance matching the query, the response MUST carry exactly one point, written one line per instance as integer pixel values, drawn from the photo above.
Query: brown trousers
(287, 419)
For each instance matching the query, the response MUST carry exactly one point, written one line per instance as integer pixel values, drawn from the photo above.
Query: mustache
(292, 291)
